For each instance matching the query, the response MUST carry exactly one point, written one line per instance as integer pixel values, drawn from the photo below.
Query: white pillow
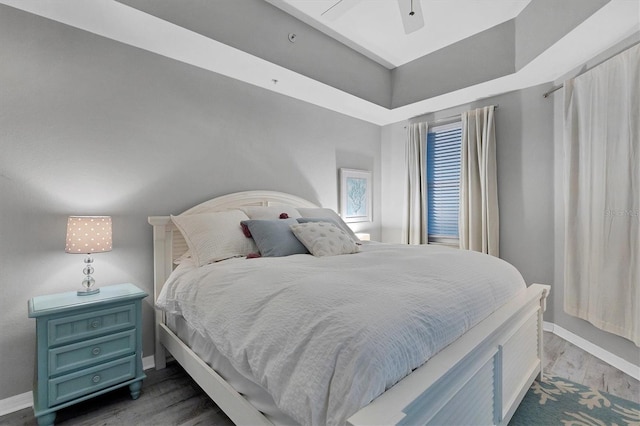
(324, 239)
(328, 213)
(214, 236)
(270, 212)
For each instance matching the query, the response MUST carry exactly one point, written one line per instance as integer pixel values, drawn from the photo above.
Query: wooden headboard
(168, 243)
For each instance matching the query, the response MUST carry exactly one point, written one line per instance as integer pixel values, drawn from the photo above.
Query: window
(443, 182)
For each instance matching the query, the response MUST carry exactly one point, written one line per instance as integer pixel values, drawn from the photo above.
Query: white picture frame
(355, 195)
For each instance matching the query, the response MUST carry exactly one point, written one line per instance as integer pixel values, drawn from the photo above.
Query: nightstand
(86, 346)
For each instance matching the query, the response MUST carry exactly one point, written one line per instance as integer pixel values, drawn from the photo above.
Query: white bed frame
(479, 379)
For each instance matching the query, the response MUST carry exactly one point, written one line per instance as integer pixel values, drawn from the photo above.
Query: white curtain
(478, 221)
(415, 225)
(602, 192)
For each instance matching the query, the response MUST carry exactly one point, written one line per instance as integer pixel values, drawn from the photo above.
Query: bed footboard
(479, 379)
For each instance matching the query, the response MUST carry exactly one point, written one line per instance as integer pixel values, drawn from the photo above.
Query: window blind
(443, 182)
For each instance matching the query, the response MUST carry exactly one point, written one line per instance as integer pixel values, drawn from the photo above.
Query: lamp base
(88, 291)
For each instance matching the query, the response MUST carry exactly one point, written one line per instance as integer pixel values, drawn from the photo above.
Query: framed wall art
(355, 195)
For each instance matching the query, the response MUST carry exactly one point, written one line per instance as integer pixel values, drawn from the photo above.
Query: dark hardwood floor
(170, 397)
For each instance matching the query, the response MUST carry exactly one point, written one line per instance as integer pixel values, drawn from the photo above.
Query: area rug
(558, 401)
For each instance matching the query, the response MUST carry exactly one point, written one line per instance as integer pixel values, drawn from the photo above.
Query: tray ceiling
(374, 27)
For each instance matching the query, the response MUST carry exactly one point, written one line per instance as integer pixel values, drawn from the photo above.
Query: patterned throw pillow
(324, 239)
(328, 214)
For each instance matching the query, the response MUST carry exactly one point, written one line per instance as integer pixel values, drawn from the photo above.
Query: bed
(480, 377)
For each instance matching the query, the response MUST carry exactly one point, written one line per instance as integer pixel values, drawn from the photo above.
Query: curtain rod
(555, 89)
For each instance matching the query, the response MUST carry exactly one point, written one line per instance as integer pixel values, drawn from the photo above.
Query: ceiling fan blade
(411, 22)
(339, 9)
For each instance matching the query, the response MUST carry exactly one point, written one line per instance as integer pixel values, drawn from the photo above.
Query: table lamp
(87, 235)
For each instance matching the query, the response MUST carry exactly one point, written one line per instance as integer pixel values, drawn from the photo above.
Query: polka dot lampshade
(88, 234)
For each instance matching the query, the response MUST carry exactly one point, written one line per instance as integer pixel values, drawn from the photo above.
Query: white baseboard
(15, 403)
(25, 400)
(148, 362)
(595, 350)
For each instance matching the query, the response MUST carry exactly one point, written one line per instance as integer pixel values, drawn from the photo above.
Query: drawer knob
(96, 350)
(95, 324)
(96, 378)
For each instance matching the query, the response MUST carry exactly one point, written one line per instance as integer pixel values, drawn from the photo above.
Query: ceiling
(374, 27)
(247, 40)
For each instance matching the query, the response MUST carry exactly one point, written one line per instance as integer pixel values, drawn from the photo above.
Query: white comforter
(325, 336)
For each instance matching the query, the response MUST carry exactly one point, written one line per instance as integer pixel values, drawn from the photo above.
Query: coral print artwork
(355, 195)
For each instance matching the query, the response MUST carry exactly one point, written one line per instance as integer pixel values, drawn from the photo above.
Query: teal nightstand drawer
(84, 354)
(83, 326)
(75, 385)
(86, 346)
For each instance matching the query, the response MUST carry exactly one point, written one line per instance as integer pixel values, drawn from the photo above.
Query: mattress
(325, 336)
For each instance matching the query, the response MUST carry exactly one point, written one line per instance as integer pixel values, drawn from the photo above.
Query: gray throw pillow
(274, 238)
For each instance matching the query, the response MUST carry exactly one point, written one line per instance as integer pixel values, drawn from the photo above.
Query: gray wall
(524, 138)
(92, 126)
